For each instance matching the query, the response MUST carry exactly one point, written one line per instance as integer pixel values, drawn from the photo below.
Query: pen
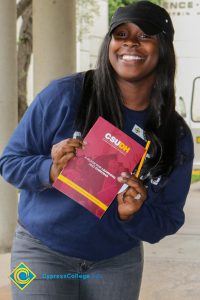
(143, 159)
(125, 186)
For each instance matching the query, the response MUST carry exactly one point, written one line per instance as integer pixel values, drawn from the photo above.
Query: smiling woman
(134, 57)
(133, 88)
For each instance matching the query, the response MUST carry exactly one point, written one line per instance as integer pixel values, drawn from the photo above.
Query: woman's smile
(131, 58)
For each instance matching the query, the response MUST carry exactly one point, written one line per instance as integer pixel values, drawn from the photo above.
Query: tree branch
(24, 57)
(21, 7)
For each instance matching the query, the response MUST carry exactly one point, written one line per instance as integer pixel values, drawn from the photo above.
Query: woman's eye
(144, 36)
(120, 35)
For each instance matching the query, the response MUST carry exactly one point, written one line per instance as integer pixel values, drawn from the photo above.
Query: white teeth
(131, 57)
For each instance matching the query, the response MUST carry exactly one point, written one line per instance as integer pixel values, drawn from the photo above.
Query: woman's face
(132, 53)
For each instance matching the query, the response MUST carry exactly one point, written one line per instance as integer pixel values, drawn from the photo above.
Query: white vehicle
(186, 19)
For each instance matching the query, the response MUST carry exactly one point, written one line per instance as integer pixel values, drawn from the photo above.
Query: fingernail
(125, 174)
(121, 179)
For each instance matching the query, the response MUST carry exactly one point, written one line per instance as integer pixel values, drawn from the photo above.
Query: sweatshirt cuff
(130, 226)
(44, 173)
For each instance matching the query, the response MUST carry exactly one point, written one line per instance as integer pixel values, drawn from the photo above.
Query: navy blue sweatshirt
(59, 222)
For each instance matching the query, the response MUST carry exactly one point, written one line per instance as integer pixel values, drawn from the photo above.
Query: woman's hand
(61, 153)
(131, 200)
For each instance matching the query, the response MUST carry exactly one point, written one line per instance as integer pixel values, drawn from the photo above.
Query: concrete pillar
(8, 115)
(54, 40)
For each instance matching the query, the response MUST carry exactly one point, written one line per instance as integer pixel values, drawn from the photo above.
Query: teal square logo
(22, 276)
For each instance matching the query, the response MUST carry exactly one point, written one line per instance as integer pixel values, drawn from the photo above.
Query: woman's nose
(131, 43)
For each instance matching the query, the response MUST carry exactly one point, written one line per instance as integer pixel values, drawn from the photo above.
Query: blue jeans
(62, 277)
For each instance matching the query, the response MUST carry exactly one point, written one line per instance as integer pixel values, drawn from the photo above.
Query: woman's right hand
(61, 153)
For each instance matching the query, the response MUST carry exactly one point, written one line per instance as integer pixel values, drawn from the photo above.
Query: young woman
(133, 85)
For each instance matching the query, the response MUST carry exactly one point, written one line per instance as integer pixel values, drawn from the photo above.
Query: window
(181, 107)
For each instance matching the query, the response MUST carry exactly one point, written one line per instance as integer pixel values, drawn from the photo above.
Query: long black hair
(101, 97)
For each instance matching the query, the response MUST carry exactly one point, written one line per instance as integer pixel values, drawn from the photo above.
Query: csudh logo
(117, 143)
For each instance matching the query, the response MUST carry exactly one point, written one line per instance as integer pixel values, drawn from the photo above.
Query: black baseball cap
(150, 17)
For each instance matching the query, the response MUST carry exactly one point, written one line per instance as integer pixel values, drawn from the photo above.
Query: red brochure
(90, 178)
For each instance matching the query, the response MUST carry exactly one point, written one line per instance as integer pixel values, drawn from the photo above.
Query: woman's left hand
(132, 199)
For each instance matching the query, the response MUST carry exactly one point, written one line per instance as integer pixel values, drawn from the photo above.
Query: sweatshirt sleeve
(162, 213)
(26, 160)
